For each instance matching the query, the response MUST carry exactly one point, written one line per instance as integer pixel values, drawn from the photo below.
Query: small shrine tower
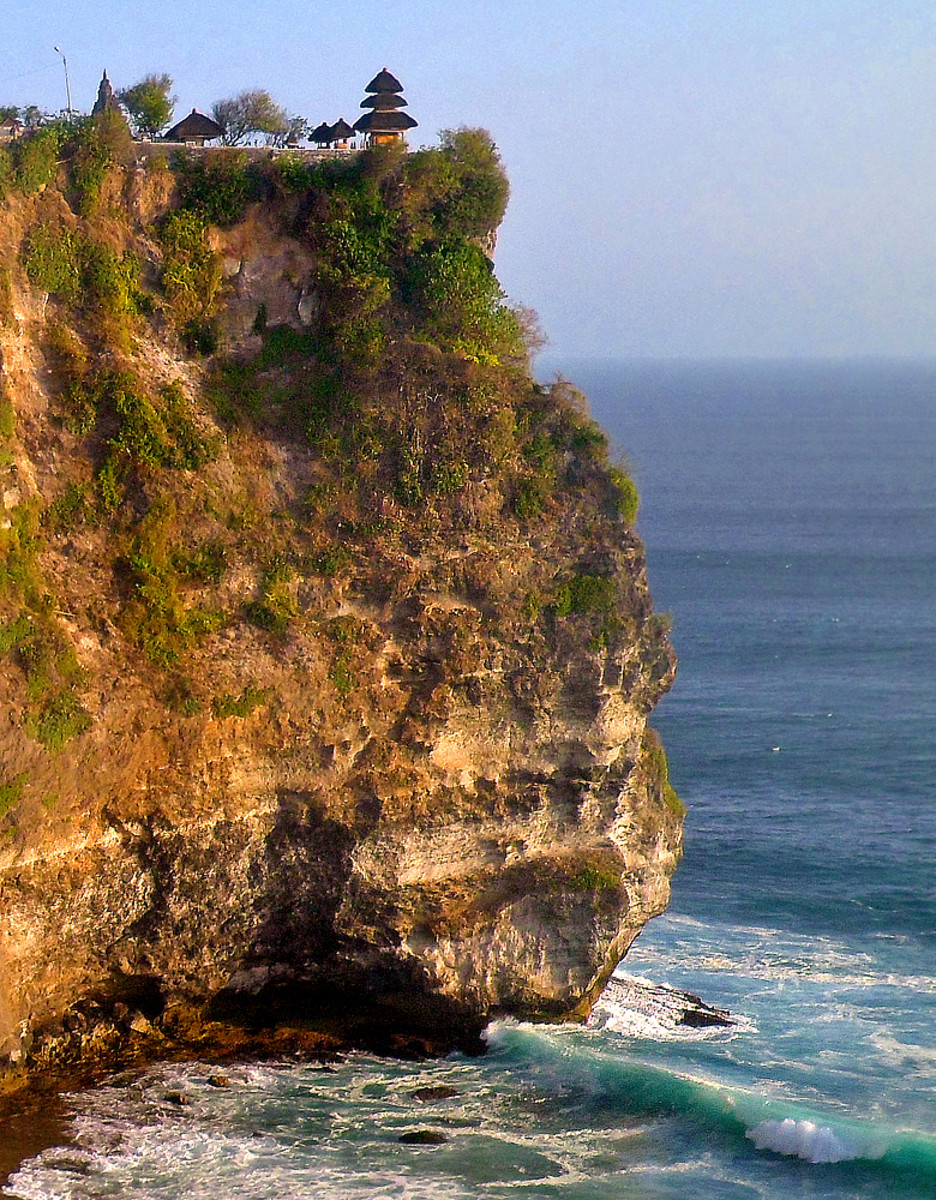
(385, 122)
(106, 100)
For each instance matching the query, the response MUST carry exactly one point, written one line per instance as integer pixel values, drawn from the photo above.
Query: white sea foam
(769, 955)
(203, 1163)
(292, 1131)
(815, 1143)
(921, 1059)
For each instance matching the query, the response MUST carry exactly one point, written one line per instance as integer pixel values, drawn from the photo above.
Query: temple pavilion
(385, 122)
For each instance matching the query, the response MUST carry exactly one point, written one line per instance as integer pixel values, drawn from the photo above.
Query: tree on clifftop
(479, 198)
(149, 104)
(249, 113)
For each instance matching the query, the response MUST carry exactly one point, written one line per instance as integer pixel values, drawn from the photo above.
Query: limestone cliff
(326, 640)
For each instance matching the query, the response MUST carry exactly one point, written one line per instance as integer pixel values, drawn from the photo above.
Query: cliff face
(327, 655)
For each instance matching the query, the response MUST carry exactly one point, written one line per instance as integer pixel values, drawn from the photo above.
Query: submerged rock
(699, 1015)
(633, 1006)
(428, 1095)
(423, 1137)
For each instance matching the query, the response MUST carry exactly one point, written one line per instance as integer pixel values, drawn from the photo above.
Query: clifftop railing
(145, 152)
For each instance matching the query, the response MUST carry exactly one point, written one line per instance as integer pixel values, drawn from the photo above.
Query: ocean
(789, 512)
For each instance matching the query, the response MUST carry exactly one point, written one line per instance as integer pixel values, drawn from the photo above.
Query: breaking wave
(778, 1126)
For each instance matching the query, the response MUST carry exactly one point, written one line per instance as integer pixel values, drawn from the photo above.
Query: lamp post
(67, 87)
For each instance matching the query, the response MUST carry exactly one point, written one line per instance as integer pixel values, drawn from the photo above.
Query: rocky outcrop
(413, 777)
(490, 835)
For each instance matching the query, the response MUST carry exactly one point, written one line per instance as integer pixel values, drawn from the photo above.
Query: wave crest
(812, 1142)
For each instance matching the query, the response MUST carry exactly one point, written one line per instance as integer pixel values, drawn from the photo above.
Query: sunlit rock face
(401, 766)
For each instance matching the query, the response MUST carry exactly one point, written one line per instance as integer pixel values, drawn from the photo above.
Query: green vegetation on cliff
(398, 391)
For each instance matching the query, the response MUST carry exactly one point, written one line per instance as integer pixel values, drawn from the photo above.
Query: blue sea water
(789, 512)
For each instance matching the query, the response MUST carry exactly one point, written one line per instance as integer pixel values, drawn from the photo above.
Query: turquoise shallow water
(790, 517)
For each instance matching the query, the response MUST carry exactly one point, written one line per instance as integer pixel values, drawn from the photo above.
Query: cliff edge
(326, 639)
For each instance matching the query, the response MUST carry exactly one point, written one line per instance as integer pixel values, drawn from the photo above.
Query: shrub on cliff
(6, 171)
(459, 190)
(99, 142)
(585, 594)
(352, 228)
(395, 238)
(476, 205)
(36, 158)
(89, 274)
(625, 495)
(52, 257)
(191, 276)
(87, 145)
(457, 302)
(158, 577)
(217, 186)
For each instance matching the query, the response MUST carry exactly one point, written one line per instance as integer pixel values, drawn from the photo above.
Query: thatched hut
(322, 134)
(337, 136)
(194, 130)
(342, 133)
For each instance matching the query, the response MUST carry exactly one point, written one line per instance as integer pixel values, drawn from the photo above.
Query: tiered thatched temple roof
(385, 123)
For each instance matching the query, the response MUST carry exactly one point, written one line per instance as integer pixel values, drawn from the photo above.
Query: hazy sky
(690, 177)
